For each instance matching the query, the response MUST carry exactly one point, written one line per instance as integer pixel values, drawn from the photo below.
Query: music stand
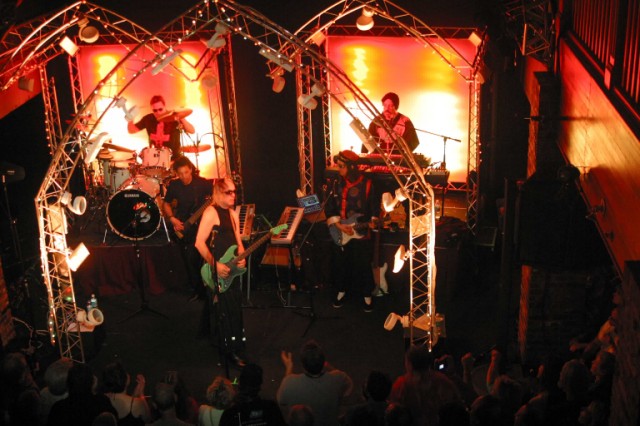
(144, 303)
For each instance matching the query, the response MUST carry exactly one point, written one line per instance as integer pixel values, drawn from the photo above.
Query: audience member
(301, 415)
(398, 415)
(186, 404)
(486, 411)
(55, 380)
(446, 365)
(164, 400)
(20, 395)
(82, 405)
(602, 369)
(453, 414)
(546, 396)
(220, 394)
(248, 408)
(131, 409)
(105, 419)
(422, 390)
(595, 414)
(376, 392)
(320, 387)
(509, 393)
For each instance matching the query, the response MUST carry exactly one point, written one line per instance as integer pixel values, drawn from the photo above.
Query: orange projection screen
(432, 94)
(95, 62)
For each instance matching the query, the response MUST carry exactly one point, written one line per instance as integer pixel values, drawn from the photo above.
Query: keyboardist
(399, 123)
(353, 206)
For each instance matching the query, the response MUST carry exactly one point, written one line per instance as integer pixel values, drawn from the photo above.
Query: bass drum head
(133, 214)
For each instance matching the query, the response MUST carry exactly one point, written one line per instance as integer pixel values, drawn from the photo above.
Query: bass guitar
(193, 218)
(342, 238)
(231, 260)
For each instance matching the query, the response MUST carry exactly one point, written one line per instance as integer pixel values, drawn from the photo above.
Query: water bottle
(93, 301)
(88, 305)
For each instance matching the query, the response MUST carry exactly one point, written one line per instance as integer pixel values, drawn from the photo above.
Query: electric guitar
(342, 238)
(193, 218)
(231, 260)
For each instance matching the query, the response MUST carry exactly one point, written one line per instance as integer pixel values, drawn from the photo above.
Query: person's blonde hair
(220, 393)
(219, 186)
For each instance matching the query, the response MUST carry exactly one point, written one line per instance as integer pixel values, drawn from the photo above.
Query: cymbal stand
(144, 303)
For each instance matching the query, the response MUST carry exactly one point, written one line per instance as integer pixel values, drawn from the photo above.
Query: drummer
(162, 126)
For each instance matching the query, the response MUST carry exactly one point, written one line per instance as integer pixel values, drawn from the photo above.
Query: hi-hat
(176, 115)
(117, 147)
(105, 155)
(192, 149)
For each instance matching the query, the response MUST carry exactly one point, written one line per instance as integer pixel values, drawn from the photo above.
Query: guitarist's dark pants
(352, 267)
(192, 262)
(224, 320)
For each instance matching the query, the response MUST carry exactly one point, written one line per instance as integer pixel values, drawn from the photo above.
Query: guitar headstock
(278, 229)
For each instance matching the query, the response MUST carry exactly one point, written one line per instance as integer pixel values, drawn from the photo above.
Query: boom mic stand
(144, 303)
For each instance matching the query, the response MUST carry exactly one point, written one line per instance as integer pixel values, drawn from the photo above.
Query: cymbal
(106, 155)
(117, 147)
(175, 115)
(192, 149)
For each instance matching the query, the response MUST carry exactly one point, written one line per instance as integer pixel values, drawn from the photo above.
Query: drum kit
(135, 184)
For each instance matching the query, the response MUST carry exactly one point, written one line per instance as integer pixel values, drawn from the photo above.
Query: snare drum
(133, 214)
(156, 162)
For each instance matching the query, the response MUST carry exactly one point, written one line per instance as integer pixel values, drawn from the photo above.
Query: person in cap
(352, 210)
(399, 123)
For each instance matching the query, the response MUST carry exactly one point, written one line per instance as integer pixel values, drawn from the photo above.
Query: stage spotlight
(166, 61)
(87, 33)
(88, 321)
(398, 259)
(208, 80)
(363, 134)
(68, 46)
(278, 80)
(218, 40)
(475, 38)
(277, 58)
(77, 207)
(77, 256)
(393, 319)
(26, 84)
(93, 147)
(309, 101)
(390, 203)
(317, 38)
(365, 20)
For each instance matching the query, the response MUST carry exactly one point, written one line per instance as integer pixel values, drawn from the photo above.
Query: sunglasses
(158, 110)
(230, 192)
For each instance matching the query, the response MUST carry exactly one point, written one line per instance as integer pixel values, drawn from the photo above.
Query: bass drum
(133, 214)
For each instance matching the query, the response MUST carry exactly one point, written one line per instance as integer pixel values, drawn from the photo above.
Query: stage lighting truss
(302, 55)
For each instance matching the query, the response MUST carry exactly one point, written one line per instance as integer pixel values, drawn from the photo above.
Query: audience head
(105, 419)
(574, 378)
(250, 380)
(418, 359)
(55, 377)
(378, 386)
(15, 369)
(485, 411)
(114, 377)
(164, 397)
(398, 415)
(509, 392)
(549, 372)
(312, 357)
(80, 381)
(220, 393)
(603, 365)
(300, 415)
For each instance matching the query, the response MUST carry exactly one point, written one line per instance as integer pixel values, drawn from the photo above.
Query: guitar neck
(199, 212)
(253, 247)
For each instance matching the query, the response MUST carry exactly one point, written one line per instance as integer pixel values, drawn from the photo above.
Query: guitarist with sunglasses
(185, 200)
(351, 211)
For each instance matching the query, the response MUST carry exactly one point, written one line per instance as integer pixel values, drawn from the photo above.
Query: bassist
(353, 197)
(184, 196)
(219, 230)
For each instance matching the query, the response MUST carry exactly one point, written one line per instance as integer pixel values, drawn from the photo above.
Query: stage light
(309, 101)
(388, 203)
(398, 259)
(365, 20)
(87, 33)
(68, 46)
(166, 61)
(77, 256)
(26, 84)
(77, 207)
(208, 80)
(278, 84)
(393, 319)
(218, 40)
(475, 38)
(317, 38)
(363, 134)
(276, 58)
(93, 147)
(88, 321)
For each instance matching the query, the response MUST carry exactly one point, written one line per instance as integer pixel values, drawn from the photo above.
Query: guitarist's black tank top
(225, 237)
